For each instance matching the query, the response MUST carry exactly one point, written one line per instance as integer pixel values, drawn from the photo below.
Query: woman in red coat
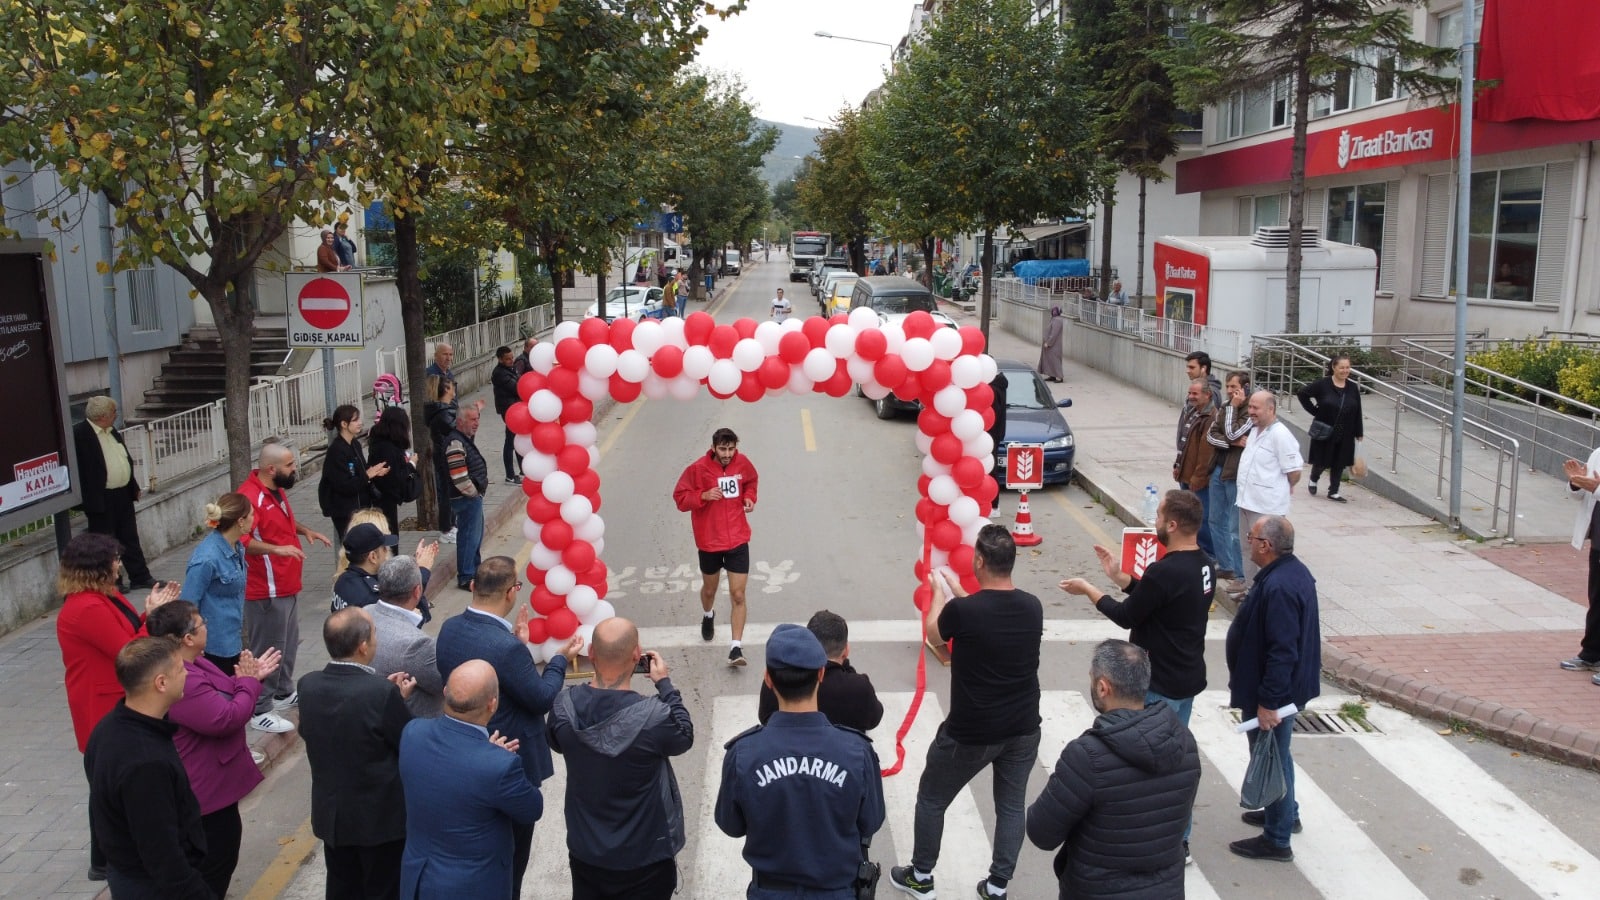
(95, 622)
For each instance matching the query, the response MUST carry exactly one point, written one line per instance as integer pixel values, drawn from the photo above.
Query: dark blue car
(1033, 416)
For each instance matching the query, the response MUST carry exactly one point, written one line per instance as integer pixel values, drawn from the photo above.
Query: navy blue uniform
(800, 768)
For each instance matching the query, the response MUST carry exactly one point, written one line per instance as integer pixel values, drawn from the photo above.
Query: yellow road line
(1060, 497)
(296, 849)
(611, 439)
(805, 428)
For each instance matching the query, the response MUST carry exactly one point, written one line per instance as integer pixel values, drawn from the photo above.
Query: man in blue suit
(485, 631)
(459, 829)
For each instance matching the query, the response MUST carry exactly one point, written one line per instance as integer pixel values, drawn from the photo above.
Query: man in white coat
(1269, 468)
(1582, 480)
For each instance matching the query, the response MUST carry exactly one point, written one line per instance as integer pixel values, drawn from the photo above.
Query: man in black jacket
(143, 812)
(623, 807)
(1120, 796)
(504, 378)
(350, 720)
(106, 472)
(846, 696)
(469, 479)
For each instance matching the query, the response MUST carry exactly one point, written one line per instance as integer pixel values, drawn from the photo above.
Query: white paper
(1252, 724)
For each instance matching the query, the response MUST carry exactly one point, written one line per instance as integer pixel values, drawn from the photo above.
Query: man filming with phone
(622, 799)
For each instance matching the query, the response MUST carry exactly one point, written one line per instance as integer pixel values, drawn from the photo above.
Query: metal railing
(1021, 305)
(1412, 429)
(475, 341)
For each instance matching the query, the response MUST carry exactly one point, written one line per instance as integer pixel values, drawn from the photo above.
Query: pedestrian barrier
(1024, 309)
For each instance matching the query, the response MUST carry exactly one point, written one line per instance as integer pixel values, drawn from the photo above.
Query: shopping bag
(1359, 468)
(1264, 783)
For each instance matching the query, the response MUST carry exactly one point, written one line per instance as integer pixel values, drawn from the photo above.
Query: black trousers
(364, 873)
(223, 833)
(117, 521)
(508, 454)
(1591, 622)
(441, 481)
(656, 881)
(521, 852)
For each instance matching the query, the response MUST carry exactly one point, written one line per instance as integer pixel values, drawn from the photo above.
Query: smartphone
(642, 667)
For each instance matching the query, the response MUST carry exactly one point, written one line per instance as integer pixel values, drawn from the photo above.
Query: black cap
(366, 537)
(795, 647)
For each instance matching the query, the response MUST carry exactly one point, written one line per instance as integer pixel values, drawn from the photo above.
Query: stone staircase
(193, 374)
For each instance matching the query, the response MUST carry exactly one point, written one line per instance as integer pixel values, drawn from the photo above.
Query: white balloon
(969, 533)
(557, 488)
(530, 529)
(585, 631)
(725, 376)
(942, 491)
(798, 382)
(604, 610)
(542, 358)
(593, 387)
(592, 619)
(924, 442)
(768, 334)
(537, 465)
(582, 600)
(875, 391)
(950, 402)
(633, 366)
(599, 545)
(989, 367)
(980, 448)
(544, 406)
(964, 511)
(895, 335)
(648, 338)
(684, 388)
(523, 443)
(946, 343)
(590, 529)
(656, 387)
(840, 341)
(697, 361)
(793, 323)
(583, 434)
(576, 510)
(933, 468)
(537, 652)
(748, 355)
(560, 580)
(966, 424)
(541, 556)
(552, 648)
(564, 330)
(863, 318)
(672, 330)
(819, 365)
(860, 370)
(938, 557)
(601, 361)
(594, 456)
(966, 372)
(917, 353)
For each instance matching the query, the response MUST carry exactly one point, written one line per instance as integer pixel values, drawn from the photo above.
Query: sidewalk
(1454, 630)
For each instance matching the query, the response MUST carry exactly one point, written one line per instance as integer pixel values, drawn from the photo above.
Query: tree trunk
(988, 275)
(408, 279)
(558, 279)
(600, 294)
(1138, 290)
(235, 317)
(1105, 242)
(858, 254)
(1297, 168)
(927, 257)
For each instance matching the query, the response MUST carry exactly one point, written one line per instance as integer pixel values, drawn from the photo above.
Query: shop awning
(1036, 233)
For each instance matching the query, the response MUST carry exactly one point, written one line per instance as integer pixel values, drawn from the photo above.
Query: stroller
(386, 392)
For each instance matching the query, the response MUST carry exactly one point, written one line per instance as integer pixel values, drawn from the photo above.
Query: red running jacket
(718, 524)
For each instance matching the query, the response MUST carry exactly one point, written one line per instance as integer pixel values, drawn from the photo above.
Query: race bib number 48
(729, 485)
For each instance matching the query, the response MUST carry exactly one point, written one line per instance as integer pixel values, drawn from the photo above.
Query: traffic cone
(1023, 533)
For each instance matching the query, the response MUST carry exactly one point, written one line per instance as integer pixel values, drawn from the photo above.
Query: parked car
(730, 262)
(821, 268)
(1033, 416)
(836, 288)
(636, 301)
(893, 297)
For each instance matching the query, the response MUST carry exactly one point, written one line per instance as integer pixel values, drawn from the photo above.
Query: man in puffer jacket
(1134, 765)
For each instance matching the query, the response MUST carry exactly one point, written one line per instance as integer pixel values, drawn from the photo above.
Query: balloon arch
(917, 359)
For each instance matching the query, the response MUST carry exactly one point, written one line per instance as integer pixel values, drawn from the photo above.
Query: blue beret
(795, 647)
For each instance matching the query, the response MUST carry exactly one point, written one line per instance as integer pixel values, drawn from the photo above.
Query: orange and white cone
(1023, 534)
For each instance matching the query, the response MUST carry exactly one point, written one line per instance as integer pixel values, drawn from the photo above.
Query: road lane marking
(1105, 540)
(805, 429)
(907, 631)
(283, 868)
(719, 868)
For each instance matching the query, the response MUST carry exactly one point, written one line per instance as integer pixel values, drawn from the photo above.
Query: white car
(636, 301)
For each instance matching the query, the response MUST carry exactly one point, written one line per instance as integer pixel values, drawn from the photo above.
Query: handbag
(1320, 431)
(1264, 782)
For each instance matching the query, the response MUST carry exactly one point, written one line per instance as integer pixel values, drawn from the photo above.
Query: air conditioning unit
(1276, 237)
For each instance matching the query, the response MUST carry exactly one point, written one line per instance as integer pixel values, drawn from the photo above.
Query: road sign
(1139, 549)
(671, 223)
(1025, 467)
(325, 309)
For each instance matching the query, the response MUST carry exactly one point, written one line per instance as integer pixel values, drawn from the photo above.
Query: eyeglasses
(195, 627)
(1260, 540)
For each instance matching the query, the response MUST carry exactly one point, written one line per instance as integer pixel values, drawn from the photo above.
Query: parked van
(893, 297)
(730, 262)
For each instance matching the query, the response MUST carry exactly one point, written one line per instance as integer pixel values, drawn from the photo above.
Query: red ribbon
(922, 664)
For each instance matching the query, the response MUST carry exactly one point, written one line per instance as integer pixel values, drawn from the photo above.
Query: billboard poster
(35, 462)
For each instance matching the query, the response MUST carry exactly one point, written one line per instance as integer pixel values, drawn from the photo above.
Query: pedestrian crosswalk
(1341, 854)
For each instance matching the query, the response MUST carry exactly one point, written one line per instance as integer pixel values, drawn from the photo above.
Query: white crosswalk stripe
(889, 631)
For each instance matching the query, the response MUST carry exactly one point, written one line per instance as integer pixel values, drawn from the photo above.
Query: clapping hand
(1578, 475)
(1078, 586)
(507, 744)
(520, 626)
(573, 649)
(1111, 565)
(164, 592)
(427, 551)
(404, 682)
(252, 666)
(377, 470)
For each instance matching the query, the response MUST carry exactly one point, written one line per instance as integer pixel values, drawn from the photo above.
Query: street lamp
(840, 37)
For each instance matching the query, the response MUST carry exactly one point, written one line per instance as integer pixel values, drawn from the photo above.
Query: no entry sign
(325, 309)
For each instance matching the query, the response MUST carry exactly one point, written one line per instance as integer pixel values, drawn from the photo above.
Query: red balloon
(528, 383)
(946, 535)
(531, 488)
(745, 327)
(723, 337)
(968, 472)
(922, 485)
(570, 352)
(563, 623)
(539, 509)
(697, 328)
(990, 489)
(816, 330)
(576, 408)
(871, 345)
(718, 394)
(587, 483)
(563, 382)
(988, 417)
(946, 449)
(556, 534)
(935, 377)
(925, 508)
(623, 390)
(538, 631)
(578, 556)
(969, 583)
(793, 347)
(593, 331)
(548, 438)
(750, 388)
(972, 342)
(961, 560)
(920, 570)
(622, 334)
(774, 372)
(573, 459)
(544, 602)
(889, 371)
(910, 388)
(518, 419)
(922, 596)
(840, 384)
(667, 362)
(919, 325)
(594, 576)
(535, 575)
(931, 423)
(980, 397)
(838, 319)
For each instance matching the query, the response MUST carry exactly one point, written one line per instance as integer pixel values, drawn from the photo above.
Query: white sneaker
(449, 537)
(289, 702)
(259, 757)
(272, 724)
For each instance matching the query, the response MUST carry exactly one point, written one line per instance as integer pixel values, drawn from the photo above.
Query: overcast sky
(789, 72)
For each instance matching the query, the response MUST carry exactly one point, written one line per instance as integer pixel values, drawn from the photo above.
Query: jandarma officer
(800, 768)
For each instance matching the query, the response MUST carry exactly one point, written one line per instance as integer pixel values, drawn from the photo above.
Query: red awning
(1546, 58)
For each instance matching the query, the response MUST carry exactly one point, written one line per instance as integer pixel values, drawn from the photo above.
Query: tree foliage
(835, 191)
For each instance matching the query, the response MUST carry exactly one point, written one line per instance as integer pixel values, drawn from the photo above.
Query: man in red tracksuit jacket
(718, 490)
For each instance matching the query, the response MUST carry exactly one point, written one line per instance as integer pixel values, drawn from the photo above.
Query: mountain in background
(794, 141)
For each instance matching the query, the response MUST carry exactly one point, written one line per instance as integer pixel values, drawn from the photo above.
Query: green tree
(1314, 47)
(985, 112)
(835, 192)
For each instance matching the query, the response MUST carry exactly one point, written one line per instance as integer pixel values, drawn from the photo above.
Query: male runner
(718, 491)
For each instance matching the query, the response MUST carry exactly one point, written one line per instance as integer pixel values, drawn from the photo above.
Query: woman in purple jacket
(210, 739)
